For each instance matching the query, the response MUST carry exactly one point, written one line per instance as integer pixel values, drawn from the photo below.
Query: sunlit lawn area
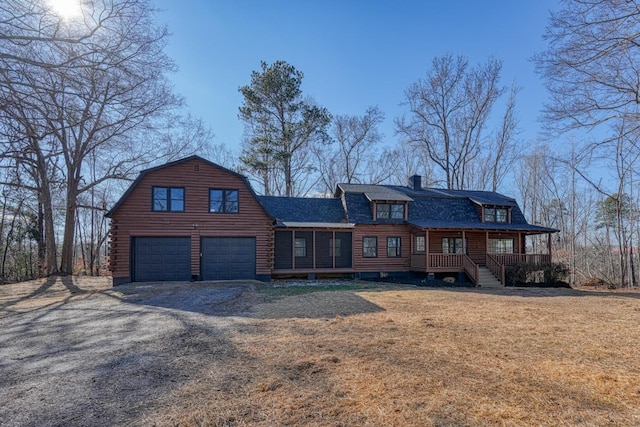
(424, 357)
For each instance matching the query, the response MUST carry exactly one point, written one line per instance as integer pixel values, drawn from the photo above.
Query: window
(495, 215)
(452, 245)
(389, 211)
(223, 201)
(393, 247)
(421, 243)
(369, 247)
(337, 243)
(301, 247)
(500, 246)
(167, 199)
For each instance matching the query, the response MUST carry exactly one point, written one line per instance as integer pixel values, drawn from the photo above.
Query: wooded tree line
(84, 104)
(87, 103)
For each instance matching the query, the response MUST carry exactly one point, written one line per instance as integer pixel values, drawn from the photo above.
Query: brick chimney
(415, 182)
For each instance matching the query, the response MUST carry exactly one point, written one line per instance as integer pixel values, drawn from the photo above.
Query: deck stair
(486, 279)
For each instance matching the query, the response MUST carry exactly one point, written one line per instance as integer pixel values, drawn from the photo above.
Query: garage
(161, 259)
(228, 258)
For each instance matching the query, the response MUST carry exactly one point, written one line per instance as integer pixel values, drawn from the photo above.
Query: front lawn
(424, 357)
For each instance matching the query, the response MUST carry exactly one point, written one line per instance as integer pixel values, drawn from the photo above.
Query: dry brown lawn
(375, 355)
(46, 292)
(423, 357)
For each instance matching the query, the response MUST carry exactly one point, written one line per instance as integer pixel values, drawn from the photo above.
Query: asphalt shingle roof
(439, 208)
(376, 192)
(304, 209)
(428, 208)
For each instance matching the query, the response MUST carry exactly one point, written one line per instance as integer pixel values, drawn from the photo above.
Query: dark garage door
(228, 258)
(161, 258)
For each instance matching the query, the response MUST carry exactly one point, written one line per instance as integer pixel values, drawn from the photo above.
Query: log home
(195, 220)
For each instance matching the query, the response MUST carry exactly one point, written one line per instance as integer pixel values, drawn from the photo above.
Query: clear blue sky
(353, 53)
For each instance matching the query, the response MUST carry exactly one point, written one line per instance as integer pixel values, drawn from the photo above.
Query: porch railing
(497, 263)
(471, 268)
(445, 261)
(513, 259)
(496, 268)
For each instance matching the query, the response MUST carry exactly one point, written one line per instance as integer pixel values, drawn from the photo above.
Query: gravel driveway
(108, 358)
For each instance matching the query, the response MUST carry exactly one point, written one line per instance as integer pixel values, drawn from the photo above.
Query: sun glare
(66, 9)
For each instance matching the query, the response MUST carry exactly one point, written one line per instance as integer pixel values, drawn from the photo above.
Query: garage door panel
(228, 258)
(161, 259)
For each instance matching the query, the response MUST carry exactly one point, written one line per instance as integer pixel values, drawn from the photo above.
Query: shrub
(599, 283)
(546, 273)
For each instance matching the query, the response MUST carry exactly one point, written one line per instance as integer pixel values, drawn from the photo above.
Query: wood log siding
(134, 216)
(382, 263)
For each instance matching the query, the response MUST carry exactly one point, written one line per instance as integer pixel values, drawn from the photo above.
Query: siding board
(382, 263)
(134, 216)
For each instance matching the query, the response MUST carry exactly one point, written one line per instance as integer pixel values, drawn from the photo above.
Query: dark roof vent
(415, 182)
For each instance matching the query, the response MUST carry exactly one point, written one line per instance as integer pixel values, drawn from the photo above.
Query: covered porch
(473, 251)
(311, 249)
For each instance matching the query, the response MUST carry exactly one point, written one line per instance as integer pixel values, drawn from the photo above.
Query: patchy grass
(286, 289)
(421, 357)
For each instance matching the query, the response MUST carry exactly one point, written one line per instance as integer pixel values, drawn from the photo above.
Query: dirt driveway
(74, 351)
(77, 353)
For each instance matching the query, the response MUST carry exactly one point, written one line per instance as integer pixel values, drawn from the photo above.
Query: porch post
(549, 245)
(521, 249)
(426, 251)
(333, 248)
(464, 242)
(486, 244)
(293, 249)
(313, 248)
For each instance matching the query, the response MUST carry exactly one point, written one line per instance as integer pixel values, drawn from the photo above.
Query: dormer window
(500, 215)
(389, 211)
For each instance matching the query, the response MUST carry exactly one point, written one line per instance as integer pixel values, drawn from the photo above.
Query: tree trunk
(50, 260)
(66, 254)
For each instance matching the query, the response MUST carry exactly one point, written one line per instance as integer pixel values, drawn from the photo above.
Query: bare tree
(29, 156)
(407, 160)
(591, 64)
(501, 151)
(92, 86)
(354, 150)
(591, 71)
(449, 109)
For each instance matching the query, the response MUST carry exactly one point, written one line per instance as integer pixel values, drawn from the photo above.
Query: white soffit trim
(317, 225)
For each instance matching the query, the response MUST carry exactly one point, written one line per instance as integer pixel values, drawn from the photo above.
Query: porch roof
(290, 224)
(316, 212)
(477, 225)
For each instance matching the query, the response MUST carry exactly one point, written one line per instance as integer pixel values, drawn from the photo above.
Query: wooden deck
(461, 263)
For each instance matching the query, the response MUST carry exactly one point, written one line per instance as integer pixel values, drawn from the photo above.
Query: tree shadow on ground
(315, 305)
(121, 359)
(44, 287)
(41, 293)
(246, 300)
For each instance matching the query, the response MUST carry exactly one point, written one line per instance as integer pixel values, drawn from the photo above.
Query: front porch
(472, 253)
